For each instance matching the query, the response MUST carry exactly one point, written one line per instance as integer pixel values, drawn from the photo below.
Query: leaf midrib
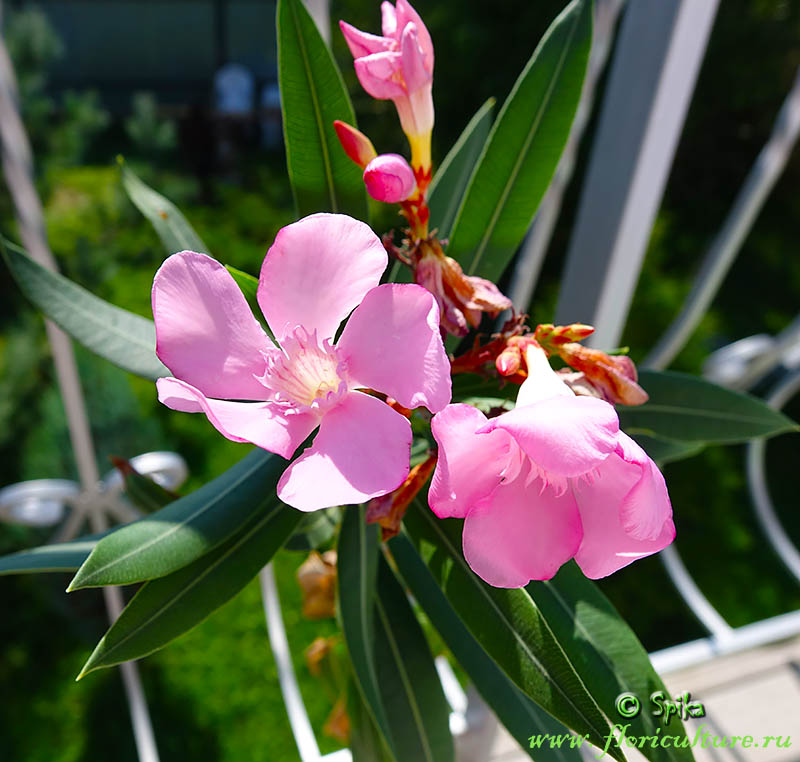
(326, 161)
(524, 152)
(657, 407)
(174, 528)
(183, 591)
(469, 574)
(412, 701)
(60, 297)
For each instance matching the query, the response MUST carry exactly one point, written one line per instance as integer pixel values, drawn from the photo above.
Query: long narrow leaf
(450, 181)
(607, 653)
(524, 147)
(357, 554)
(172, 227)
(691, 409)
(187, 529)
(513, 708)
(58, 557)
(512, 630)
(166, 608)
(409, 684)
(313, 95)
(119, 336)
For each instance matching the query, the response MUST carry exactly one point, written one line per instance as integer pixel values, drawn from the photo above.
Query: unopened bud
(614, 375)
(552, 336)
(389, 178)
(508, 362)
(356, 144)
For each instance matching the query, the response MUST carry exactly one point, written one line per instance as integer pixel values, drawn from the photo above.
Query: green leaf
(511, 629)
(524, 147)
(450, 181)
(58, 557)
(165, 608)
(690, 409)
(313, 95)
(119, 336)
(666, 450)
(513, 708)
(607, 654)
(187, 529)
(172, 227)
(357, 567)
(366, 742)
(315, 529)
(248, 285)
(411, 691)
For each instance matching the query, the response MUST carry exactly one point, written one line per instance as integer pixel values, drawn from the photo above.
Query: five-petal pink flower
(399, 66)
(550, 480)
(316, 273)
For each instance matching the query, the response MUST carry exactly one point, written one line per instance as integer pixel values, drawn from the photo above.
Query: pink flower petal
(405, 15)
(362, 43)
(376, 74)
(566, 436)
(262, 423)
(646, 508)
(620, 491)
(519, 534)
(415, 74)
(317, 271)
(470, 465)
(392, 344)
(388, 19)
(542, 382)
(361, 452)
(205, 331)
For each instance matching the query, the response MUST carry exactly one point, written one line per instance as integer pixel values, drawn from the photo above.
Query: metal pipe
(722, 253)
(757, 483)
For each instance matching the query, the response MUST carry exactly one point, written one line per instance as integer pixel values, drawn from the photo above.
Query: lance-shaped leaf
(666, 450)
(511, 629)
(141, 490)
(357, 566)
(409, 684)
(607, 653)
(514, 709)
(450, 181)
(58, 557)
(313, 95)
(689, 408)
(524, 147)
(172, 227)
(121, 337)
(187, 529)
(249, 287)
(165, 608)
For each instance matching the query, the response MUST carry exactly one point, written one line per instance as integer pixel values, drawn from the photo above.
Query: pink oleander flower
(551, 480)
(389, 178)
(399, 66)
(315, 273)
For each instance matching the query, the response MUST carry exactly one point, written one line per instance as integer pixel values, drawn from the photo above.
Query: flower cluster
(552, 479)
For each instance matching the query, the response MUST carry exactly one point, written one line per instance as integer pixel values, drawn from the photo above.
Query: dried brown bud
(317, 579)
(613, 375)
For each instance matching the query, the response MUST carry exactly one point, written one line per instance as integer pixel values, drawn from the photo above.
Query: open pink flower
(552, 479)
(316, 272)
(399, 66)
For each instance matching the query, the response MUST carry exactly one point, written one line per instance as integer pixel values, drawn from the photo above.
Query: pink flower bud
(389, 178)
(356, 144)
